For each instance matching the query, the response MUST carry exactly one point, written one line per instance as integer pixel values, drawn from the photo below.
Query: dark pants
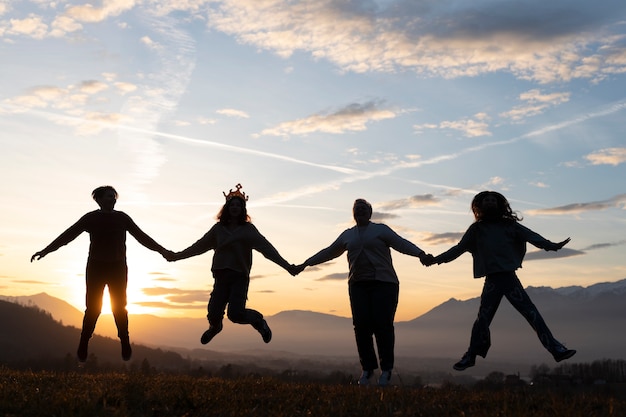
(374, 306)
(231, 288)
(97, 276)
(506, 284)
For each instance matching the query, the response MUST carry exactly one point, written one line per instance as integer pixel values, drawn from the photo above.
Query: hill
(589, 319)
(31, 336)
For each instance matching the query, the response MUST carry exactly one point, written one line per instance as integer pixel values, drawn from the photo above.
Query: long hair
(224, 214)
(504, 210)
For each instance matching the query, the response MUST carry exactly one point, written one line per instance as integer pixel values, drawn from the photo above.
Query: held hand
(296, 269)
(169, 255)
(427, 259)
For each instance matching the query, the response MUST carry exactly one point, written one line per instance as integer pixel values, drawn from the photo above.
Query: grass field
(24, 393)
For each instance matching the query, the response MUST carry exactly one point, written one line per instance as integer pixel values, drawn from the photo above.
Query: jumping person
(233, 237)
(106, 263)
(497, 242)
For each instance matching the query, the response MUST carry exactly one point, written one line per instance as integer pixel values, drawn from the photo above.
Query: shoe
(366, 378)
(82, 351)
(127, 351)
(466, 361)
(266, 332)
(210, 334)
(384, 378)
(561, 353)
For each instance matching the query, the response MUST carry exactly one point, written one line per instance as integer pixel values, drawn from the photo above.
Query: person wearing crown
(232, 238)
(373, 286)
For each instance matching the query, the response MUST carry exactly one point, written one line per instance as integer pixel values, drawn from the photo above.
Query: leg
(518, 297)
(237, 310)
(94, 283)
(216, 307)
(362, 319)
(384, 304)
(118, 282)
(480, 341)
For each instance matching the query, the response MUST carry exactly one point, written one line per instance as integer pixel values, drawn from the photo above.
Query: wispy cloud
(449, 238)
(536, 102)
(618, 201)
(541, 254)
(351, 118)
(233, 113)
(334, 277)
(410, 202)
(469, 127)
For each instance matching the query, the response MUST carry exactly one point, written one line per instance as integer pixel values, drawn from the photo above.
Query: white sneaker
(366, 377)
(384, 378)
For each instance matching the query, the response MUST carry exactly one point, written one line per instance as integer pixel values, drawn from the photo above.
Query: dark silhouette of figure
(497, 242)
(106, 263)
(233, 238)
(373, 286)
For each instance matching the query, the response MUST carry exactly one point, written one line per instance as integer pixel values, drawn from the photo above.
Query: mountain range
(589, 319)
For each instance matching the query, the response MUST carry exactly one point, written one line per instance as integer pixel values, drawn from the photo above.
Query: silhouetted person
(106, 263)
(373, 286)
(233, 238)
(497, 243)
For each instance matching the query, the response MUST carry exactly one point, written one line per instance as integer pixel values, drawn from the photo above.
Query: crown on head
(236, 193)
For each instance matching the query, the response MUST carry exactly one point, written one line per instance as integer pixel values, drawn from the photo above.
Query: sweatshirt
(107, 235)
(496, 246)
(373, 241)
(233, 248)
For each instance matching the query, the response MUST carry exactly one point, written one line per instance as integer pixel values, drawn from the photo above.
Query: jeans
(97, 276)
(373, 305)
(506, 284)
(231, 288)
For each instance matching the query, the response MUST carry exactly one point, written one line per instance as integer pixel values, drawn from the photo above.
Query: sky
(413, 105)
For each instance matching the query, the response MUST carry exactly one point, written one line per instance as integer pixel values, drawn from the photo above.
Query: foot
(127, 351)
(466, 361)
(561, 353)
(82, 351)
(384, 378)
(366, 378)
(266, 332)
(210, 334)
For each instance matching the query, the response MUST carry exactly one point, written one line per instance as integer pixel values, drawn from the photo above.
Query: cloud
(608, 156)
(175, 297)
(541, 254)
(32, 26)
(351, 118)
(449, 238)
(410, 202)
(233, 113)
(536, 103)
(617, 201)
(92, 14)
(334, 277)
(533, 40)
(379, 217)
(605, 245)
(29, 281)
(475, 127)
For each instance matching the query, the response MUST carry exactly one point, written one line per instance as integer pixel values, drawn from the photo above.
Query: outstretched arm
(63, 239)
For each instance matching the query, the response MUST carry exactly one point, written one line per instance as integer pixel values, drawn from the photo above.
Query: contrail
(203, 142)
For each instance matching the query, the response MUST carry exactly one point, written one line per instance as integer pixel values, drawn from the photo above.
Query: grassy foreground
(24, 393)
